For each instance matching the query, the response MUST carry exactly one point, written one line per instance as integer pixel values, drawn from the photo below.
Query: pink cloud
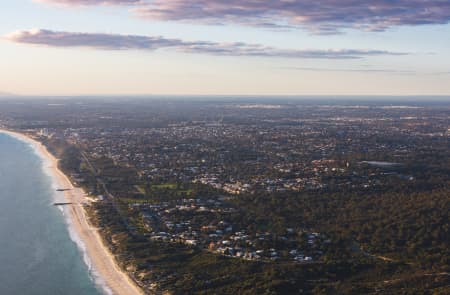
(321, 16)
(135, 42)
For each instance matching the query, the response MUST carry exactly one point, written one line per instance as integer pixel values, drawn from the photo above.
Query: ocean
(38, 255)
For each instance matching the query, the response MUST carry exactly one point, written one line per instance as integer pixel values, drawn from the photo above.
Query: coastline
(100, 261)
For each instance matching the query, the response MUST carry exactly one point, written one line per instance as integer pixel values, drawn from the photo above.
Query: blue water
(37, 255)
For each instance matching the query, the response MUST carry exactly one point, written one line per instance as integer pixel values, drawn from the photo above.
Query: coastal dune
(102, 262)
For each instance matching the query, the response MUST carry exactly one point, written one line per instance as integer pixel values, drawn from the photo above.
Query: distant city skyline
(212, 47)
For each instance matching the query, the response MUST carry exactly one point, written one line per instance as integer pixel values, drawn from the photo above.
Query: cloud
(129, 42)
(312, 69)
(320, 16)
(98, 41)
(323, 16)
(90, 2)
(440, 73)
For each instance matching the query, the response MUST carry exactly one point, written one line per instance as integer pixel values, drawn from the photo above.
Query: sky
(217, 47)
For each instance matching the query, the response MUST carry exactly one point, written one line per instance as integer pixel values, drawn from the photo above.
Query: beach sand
(103, 263)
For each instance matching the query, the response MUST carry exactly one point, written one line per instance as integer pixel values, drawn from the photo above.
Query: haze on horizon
(212, 47)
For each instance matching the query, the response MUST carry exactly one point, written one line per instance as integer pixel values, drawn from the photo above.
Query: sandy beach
(102, 262)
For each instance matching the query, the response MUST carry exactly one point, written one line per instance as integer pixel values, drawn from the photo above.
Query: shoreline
(100, 262)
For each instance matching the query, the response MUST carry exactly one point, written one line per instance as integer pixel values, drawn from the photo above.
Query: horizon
(224, 97)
